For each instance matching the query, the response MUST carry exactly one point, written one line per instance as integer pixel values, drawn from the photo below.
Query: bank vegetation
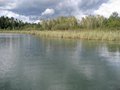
(89, 27)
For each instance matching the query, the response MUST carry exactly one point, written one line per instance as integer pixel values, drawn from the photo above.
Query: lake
(32, 63)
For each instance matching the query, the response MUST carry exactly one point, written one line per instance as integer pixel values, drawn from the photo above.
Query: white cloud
(22, 9)
(48, 11)
(15, 15)
(107, 9)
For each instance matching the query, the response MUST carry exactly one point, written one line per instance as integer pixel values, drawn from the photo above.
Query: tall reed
(83, 34)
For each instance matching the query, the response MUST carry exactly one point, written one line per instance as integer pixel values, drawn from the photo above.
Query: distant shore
(75, 34)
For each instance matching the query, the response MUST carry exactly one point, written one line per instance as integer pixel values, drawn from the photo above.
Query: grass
(83, 34)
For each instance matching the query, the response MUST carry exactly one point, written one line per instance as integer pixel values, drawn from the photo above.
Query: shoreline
(83, 34)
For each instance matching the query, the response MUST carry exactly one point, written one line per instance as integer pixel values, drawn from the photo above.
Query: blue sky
(33, 10)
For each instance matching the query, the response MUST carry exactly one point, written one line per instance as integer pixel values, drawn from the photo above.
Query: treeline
(64, 23)
(60, 23)
(10, 23)
(88, 22)
(7, 23)
(100, 22)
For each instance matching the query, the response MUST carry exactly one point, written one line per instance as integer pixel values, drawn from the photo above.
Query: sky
(34, 10)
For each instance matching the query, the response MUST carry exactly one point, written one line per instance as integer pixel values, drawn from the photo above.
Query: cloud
(48, 11)
(55, 8)
(34, 7)
(106, 9)
(62, 7)
(7, 4)
(15, 15)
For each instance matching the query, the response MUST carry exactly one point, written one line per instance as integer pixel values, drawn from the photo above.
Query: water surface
(31, 63)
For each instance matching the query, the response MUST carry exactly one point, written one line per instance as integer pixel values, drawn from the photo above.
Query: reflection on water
(31, 63)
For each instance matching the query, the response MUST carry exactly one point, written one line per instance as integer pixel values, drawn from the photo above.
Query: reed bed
(83, 34)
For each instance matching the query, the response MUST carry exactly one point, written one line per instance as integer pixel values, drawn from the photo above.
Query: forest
(90, 22)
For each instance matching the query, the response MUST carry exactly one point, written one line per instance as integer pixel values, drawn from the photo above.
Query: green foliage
(92, 22)
(96, 22)
(15, 24)
(60, 23)
(113, 21)
(10, 23)
(64, 23)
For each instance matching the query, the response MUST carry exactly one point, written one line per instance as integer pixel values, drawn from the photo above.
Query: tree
(113, 21)
(114, 15)
(92, 22)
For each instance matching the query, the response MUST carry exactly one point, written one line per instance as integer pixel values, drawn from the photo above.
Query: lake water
(31, 63)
